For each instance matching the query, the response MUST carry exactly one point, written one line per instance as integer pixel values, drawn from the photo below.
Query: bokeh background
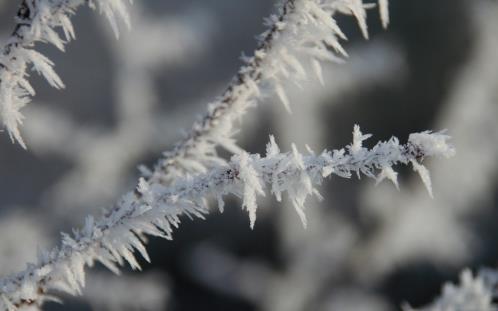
(366, 247)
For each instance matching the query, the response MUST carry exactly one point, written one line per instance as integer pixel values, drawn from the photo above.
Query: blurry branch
(22, 227)
(476, 84)
(113, 239)
(470, 111)
(147, 292)
(476, 293)
(38, 21)
(97, 153)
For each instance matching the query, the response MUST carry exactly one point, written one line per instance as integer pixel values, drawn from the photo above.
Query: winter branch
(38, 21)
(113, 239)
(301, 28)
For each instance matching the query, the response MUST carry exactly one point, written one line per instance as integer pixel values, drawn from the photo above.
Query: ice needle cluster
(40, 21)
(301, 36)
(113, 239)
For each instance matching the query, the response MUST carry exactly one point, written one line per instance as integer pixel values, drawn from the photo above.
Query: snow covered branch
(114, 238)
(39, 21)
(301, 28)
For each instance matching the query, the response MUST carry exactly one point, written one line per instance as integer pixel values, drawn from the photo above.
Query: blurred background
(367, 247)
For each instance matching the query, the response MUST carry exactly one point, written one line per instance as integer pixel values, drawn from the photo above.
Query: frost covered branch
(113, 239)
(38, 21)
(301, 28)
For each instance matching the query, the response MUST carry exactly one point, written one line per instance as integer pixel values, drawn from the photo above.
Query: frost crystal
(252, 186)
(433, 143)
(387, 172)
(301, 35)
(38, 21)
(424, 175)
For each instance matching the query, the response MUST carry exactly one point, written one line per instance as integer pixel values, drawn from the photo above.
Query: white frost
(113, 239)
(39, 21)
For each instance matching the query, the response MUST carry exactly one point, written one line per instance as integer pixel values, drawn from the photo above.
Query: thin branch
(38, 21)
(301, 28)
(113, 239)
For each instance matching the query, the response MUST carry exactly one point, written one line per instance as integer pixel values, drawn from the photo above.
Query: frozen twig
(300, 28)
(113, 239)
(38, 21)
